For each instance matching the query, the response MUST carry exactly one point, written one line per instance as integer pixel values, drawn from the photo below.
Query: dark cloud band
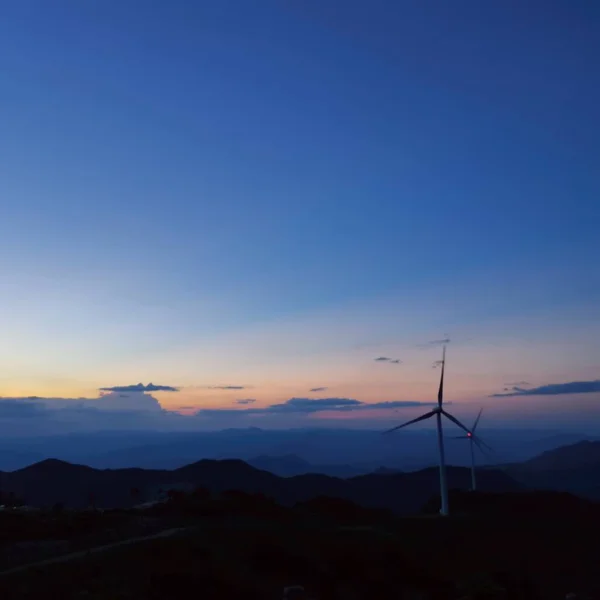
(140, 387)
(554, 389)
(310, 405)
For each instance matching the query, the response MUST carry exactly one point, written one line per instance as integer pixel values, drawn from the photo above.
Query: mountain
(574, 456)
(53, 481)
(574, 468)
(334, 452)
(386, 471)
(291, 465)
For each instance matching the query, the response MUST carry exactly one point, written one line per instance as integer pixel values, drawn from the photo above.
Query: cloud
(226, 387)
(318, 389)
(517, 384)
(554, 389)
(140, 387)
(311, 405)
(20, 409)
(396, 361)
(112, 402)
(113, 411)
(140, 411)
(395, 404)
(314, 405)
(382, 359)
(434, 343)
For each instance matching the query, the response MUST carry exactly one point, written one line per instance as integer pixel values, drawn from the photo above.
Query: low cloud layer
(140, 387)
(309, 406)
(318, 389)
(140, 411)
(111, 411)
(553, 389)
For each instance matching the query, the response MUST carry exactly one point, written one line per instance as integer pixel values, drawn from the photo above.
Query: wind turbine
(474, 440)
(437, 412)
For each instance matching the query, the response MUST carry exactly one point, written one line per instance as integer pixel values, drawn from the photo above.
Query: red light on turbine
(469, 434)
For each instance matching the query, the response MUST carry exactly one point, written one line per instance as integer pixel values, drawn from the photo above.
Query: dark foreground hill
(51, 481)
(527, 546)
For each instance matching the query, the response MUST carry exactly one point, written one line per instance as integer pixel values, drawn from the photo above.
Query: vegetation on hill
(246, 545)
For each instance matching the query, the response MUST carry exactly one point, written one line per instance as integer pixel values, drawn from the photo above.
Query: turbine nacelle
(473, 438)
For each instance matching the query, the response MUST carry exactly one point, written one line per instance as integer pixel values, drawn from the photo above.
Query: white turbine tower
(474, 440)
(437, 412)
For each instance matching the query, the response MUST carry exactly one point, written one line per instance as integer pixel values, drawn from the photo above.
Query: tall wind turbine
(437, 412)
(474, 440)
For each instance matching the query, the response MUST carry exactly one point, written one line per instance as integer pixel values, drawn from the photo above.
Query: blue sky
(196, 192)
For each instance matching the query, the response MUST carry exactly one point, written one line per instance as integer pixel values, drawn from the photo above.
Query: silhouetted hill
(526, 545)
(386, 471)
(574, 468)
(53, 481)
(518, 505)
(54, 467)
(574, 456)
(291, 465)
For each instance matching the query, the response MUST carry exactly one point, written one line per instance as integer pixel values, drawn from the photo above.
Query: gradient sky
(271, 194)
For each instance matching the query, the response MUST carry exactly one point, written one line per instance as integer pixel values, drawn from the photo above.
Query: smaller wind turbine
(438, 412)
(474, 440)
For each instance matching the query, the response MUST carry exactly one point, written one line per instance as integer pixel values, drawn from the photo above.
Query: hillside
(583, 454)
(52, 481)
(497, 547)
(574, 468)
(291, 465)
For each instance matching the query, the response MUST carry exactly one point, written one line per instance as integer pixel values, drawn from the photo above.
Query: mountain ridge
(52, 481)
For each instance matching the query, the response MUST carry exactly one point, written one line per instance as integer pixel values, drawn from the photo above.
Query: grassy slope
(255, 558)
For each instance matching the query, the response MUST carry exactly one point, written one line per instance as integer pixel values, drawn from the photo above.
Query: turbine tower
(474, 440)
(438, 412)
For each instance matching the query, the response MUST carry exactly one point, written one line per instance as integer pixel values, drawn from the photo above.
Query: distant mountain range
(52, 481)
(332, 452)
(290, 479)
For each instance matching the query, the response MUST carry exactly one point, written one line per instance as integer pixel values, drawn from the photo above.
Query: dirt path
(84, 553)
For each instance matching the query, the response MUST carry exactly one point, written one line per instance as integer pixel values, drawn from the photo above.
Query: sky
(252, 201)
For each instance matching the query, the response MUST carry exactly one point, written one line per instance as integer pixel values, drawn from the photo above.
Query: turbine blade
(455, 420)
(477, 420)
(421, 418)
(441, 389)
(459, 437)
(478, 444)
(482, 444)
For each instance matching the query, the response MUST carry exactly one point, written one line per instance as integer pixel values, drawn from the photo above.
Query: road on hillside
(84, 553)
